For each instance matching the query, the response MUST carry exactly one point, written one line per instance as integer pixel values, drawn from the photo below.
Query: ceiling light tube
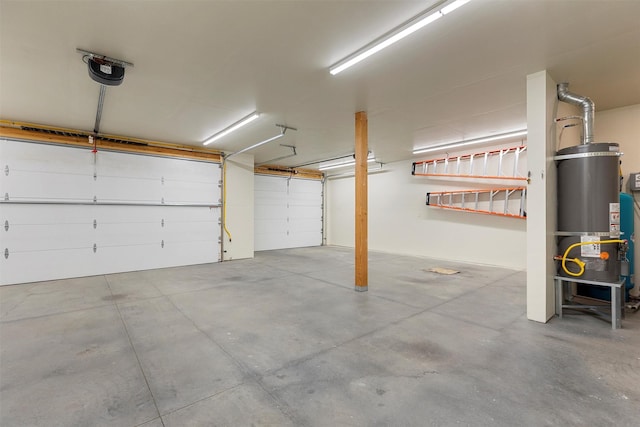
(237, 125)
(371, 170)
(453, 6)
(398, 33)
(342, 165)
(450, 145)
(348, 160)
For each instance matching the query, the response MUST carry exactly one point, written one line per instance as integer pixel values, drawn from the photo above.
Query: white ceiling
(202, 65)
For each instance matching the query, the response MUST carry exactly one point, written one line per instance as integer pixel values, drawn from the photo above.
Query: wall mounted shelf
(496, 164)
(510, 202)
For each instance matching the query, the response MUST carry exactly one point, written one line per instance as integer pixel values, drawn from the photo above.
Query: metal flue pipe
(588, 110)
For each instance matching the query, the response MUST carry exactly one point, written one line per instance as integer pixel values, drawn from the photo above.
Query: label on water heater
(592, 250)
(614, 219)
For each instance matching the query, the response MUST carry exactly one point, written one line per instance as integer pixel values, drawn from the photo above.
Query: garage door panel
(43, 186)
(48, 241)
(273, 184)
(270, 212)
(297, 212)
(36, 266)
(128, 234)
(59, 227)
(191, 252)
(121, 258)
(271, 225)
(305, 187)
(20, 156)
(114, 215)
(305, 225)
(264, 241)
(180, 214)
(26, 215)
(116, 189)
(192, 235)
(288, 212)
(191, 192)
(305, 239)
(45, 172)
(64, 238)
(113, 164)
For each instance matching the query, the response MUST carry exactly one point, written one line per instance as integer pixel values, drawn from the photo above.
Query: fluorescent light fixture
(344, 164)
(491, 138)
(453, 6)
(370, 171)
(398, 33)
(237, 125)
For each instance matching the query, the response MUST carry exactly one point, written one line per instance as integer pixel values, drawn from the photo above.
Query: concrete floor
(283, 340)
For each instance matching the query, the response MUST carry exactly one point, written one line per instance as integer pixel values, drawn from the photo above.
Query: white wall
(542, 107)
(400, 222)
(622, 125)
(239, 209)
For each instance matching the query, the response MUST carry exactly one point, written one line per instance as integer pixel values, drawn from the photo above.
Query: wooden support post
(362, 251)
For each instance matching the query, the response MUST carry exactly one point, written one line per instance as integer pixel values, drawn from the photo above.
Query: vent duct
(588, 110)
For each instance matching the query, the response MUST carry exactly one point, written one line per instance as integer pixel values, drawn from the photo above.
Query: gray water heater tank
(589, 206)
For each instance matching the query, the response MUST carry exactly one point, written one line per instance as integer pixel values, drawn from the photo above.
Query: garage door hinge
(162, 201)
(95, 176)
(95, 248)
(162, 244)
(95, 224)
(162, 222)
(95, 199)
(6, 197)
(6, 253)
(6, 225)
(6, 170)
(162, 180)
(219, 239)
(219, 221)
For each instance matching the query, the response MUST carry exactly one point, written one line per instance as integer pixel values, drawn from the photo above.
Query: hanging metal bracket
(93, 55)
(283, 128)
(294, 153)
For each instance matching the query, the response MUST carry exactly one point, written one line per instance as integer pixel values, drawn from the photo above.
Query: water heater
(589, 209)
(589, 215)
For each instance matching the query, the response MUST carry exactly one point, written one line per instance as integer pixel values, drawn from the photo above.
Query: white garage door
(67, 213)
(288, 212)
